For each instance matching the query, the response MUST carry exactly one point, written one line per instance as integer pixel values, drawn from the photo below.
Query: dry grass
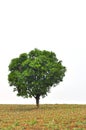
(47, 117)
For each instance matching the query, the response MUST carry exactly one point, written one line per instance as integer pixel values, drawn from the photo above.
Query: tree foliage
(33, 74)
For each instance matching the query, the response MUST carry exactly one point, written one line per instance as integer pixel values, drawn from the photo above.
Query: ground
(47, 117)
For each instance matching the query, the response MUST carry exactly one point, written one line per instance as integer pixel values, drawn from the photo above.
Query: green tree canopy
(33, 74)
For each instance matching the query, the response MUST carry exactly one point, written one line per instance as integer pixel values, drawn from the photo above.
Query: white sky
(54, 25)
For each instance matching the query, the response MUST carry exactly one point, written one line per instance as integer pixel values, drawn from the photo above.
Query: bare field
(47, 117)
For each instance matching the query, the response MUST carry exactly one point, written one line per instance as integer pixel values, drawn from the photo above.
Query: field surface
(47, 117)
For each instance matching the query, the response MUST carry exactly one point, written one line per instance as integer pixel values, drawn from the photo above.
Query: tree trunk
(37, 100)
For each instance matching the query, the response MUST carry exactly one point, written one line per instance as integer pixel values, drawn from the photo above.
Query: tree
(33, 74)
